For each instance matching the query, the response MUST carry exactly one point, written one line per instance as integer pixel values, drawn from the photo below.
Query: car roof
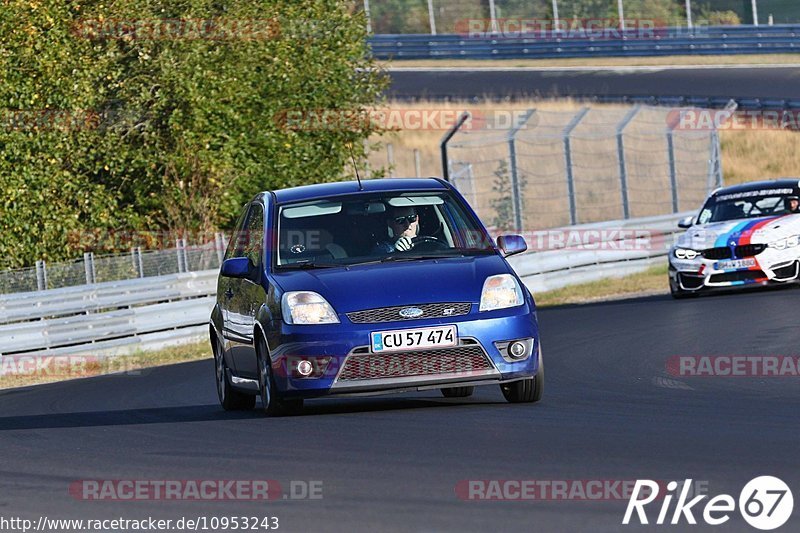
(324, 190)
(782, 183)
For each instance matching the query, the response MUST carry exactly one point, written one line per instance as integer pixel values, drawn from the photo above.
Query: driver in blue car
(403, 225)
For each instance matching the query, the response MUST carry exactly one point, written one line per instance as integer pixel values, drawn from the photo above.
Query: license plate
(736, 264)
(413, 339)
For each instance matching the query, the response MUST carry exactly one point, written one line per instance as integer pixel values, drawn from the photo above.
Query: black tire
(528, 390)
(230, 398)
(458, 392)
(271, 402)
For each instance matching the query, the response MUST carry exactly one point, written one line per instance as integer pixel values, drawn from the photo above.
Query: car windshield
(749, 204)
(371, 228)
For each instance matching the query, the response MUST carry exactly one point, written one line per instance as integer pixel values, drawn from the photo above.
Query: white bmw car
(744, 235)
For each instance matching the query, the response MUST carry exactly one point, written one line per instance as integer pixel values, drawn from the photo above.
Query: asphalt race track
(781, 83)
(611, 412)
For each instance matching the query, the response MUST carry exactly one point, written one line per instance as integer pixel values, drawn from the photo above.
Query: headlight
(306, 307)
(499, 292)
(789, 242)
(686, 253)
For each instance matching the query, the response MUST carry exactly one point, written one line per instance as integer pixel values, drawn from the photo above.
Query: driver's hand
(403, 244)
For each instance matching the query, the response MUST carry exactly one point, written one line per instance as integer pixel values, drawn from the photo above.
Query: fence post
(623, 171)
(431, 17)
(137, 252)
(689, 14)
(673, 177)
(754, 5)
(573, 209)
(181, 257)
(516, 191)
(390, 158)
(417, 163)
(41, 275)
(446, 139)
(369, 19)
(88, 267)
(219, 244)
(366, 159)
(714, 163)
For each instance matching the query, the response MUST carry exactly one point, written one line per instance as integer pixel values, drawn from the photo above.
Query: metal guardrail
(107, 318)
(120, 317)
(717, 40)
(557, 268)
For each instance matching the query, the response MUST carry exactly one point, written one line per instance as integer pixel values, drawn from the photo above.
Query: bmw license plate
(736, 264)
(413, 339)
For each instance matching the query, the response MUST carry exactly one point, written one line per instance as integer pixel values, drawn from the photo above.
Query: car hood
(738, 232)
(457, 279)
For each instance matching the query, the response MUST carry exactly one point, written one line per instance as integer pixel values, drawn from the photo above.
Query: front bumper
(336, 350)
(770, 266)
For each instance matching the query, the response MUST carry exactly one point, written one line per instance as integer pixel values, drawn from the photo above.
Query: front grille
(742, 275)
(392, 314)
(465, 360)
(717, 253)
(746, 250)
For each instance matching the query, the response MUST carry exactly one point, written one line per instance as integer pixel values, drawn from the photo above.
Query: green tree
(181, 128)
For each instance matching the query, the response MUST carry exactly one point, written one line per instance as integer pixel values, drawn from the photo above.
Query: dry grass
(80, 367)
(761, 59)
(652, 281)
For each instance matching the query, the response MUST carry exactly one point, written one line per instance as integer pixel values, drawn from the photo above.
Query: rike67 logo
(765, 503)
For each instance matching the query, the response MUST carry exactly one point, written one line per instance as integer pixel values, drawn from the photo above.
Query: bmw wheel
(229, 398)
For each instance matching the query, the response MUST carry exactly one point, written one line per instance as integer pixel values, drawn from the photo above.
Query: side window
(252, 237)
(234, 243)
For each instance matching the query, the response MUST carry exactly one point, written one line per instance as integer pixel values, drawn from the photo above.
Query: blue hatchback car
(366, 288)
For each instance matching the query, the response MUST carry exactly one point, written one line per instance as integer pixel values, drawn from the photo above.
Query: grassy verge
(760, 59)
(652, 281)
(70, 367)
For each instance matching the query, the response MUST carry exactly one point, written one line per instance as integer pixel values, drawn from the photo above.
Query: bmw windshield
(370, 228)
(748, 204)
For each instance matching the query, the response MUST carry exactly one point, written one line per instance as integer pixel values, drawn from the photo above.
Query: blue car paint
(366, 286)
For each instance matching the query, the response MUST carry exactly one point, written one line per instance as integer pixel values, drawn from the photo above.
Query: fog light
(517, 349)
(304, 368)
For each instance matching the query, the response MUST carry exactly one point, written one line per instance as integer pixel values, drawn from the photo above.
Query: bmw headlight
(306, 307)
(686, 253)
(789, 242)
(500, 291)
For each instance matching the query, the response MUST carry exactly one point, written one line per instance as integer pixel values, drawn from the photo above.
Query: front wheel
(230, 398)
(271, 402)
(526, 390)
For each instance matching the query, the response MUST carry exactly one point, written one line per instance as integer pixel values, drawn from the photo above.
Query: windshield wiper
(307, 265)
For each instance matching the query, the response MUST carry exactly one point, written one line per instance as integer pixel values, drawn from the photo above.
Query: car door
(247, 295)
(224, 284)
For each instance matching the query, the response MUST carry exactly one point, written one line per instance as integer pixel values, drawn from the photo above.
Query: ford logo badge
(411, 312)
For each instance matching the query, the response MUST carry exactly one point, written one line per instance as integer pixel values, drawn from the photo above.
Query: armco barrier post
(623, 171)
(179, 244)
(573, 210)
(516, 192)
(219, 244)
(88, 267)
(41, 275)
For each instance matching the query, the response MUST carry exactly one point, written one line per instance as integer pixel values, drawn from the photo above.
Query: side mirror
(685, 223)
(237, 267)
(511, 244)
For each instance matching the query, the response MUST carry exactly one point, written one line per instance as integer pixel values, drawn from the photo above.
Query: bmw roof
(325, 190)
(782, 183)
